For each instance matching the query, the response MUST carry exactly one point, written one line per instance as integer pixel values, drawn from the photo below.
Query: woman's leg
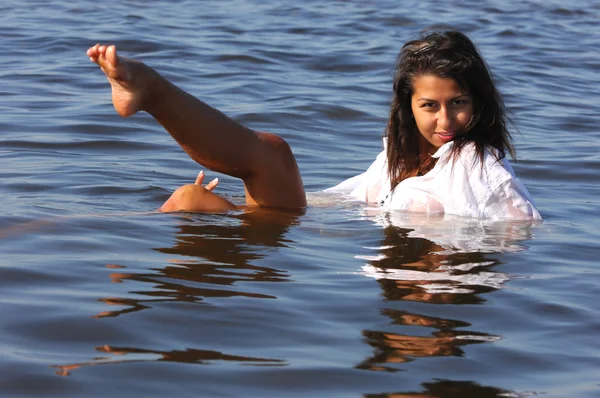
(263, 161)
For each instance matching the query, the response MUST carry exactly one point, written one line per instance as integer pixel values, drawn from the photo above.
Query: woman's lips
(446, 135)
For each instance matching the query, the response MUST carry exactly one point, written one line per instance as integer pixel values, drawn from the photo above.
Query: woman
(446, 138)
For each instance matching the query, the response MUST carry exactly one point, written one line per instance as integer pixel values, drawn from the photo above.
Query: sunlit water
(102, 296)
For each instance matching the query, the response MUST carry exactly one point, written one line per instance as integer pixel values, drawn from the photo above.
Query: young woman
(445, 144)
(446, 138)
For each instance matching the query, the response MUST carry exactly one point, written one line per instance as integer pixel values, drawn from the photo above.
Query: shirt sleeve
(365, 186)
(511, 200)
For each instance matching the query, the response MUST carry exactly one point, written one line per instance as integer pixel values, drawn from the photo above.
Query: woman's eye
(427, 105)
(460, 102)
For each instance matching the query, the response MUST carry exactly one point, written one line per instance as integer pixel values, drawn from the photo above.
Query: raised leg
(263, 161)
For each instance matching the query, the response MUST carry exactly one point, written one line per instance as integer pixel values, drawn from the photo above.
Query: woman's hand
(210, 186)
(197, 198)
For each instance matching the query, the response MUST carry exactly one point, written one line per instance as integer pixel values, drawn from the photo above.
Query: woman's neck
(425, 149)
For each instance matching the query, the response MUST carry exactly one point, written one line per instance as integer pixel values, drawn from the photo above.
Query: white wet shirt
(458, 187)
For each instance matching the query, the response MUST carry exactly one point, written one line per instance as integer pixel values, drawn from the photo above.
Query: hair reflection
(411, 267)
(418, 269)
(449, 389)
(396, 348)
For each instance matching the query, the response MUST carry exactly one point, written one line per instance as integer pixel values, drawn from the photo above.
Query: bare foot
(128, 78)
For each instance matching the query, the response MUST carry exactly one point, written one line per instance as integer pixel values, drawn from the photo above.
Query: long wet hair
(444, 53)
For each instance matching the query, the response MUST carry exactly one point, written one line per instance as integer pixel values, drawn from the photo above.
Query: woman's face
(441, 108)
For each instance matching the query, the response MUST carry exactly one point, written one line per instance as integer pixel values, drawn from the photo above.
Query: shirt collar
(443, 149)
(438, 154)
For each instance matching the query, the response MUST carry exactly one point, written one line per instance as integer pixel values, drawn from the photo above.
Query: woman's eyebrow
(432, 100)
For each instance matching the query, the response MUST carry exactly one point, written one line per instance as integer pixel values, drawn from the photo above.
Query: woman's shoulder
(482, 170)
(364, 185)
(469, 156)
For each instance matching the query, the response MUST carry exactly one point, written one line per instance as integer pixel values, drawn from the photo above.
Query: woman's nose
(445, 119)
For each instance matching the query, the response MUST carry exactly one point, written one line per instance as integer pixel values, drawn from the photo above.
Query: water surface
(100, 295)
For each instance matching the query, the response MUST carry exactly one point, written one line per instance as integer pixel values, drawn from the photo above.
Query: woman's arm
(511, 200)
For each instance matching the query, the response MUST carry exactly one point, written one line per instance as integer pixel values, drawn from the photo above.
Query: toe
(111, 55)
(93, 51)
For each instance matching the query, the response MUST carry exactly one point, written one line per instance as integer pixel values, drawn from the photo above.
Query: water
(102, 296)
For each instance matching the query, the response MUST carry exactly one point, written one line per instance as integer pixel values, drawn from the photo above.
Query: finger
(212, 185)
(200, 178)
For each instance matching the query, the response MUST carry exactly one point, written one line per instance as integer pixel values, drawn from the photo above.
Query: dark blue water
(102, 296)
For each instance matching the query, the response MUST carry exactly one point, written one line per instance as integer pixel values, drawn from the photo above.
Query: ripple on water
(339, 301)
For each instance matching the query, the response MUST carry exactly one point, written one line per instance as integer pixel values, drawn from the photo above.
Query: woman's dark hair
(448, 54)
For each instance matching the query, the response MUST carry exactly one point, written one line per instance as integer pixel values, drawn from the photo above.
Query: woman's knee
(186, 197)
(280, 150)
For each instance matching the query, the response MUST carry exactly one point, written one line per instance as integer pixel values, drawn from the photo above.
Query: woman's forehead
(430, 85)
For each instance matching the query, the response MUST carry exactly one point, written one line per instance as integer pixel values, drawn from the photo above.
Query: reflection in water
(418, 269)
(434, 261)
(219, 255)
(411, 267)
(191, 356)
(216, 255)
(394, 348)
(449, 389)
